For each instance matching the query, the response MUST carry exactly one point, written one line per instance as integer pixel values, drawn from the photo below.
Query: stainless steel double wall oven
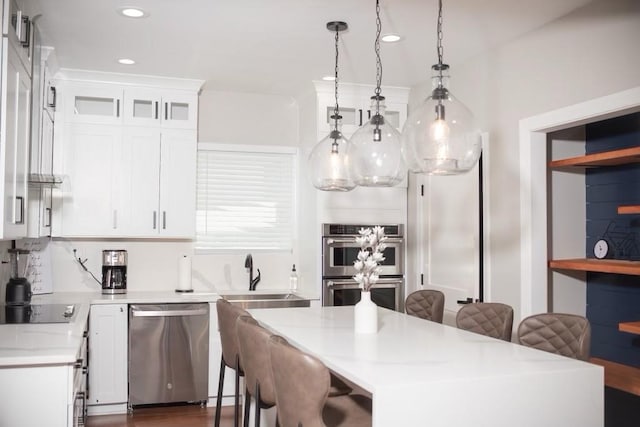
(340, 250)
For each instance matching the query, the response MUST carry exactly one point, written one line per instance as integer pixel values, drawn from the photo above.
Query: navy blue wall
(613, 298)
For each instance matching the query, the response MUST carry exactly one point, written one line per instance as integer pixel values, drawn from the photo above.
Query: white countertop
(416, 369)
(58, 343)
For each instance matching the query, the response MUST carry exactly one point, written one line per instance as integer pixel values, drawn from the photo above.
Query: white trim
(247, 148)
(533, 185)
(486, 215)
(90, 76)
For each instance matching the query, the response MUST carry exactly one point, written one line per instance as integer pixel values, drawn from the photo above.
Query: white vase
(365, 314)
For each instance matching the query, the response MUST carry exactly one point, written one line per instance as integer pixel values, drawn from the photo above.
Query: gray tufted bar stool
(227, 315)
(426, 304)
(302, 384)
(565, 334)
(492, 319)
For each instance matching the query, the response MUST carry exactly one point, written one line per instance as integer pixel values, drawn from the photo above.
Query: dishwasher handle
(169, 313)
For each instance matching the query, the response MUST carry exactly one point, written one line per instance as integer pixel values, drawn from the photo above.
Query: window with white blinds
(245, 198)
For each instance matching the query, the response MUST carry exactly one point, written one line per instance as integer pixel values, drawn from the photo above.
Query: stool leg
(236, 417)
(257, 399)
(219, 396)
(247, 406)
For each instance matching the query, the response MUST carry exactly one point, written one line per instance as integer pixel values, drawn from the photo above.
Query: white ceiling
(279, 46)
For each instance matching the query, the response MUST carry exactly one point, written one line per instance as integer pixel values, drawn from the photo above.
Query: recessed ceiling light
(126, 61)
(132, 12)
(391, 38)
(328, 78)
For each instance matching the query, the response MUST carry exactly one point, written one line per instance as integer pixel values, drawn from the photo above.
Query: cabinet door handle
(360, 114)
(26, 32)
(52, 97)
(47, 217)
(166, 111)
(20, 211)
(156, 110)
(155, 215)
(117, 108)
(164, 220)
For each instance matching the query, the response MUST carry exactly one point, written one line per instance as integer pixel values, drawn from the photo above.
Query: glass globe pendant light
(440, 137)
(376, 157)
(329, 159)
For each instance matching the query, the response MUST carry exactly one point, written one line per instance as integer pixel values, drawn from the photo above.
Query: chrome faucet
(248, 264)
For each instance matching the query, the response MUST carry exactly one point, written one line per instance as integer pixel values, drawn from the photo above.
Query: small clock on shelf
(601, 249)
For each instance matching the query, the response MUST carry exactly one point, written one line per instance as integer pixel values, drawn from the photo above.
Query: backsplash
(153, 266)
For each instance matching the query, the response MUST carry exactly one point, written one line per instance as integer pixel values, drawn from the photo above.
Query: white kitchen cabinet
(129, 156)
(159, 180)
(14, 141)
(166, 108)
(90, 162)
(41, 178)
(40, 194)
(108, 388)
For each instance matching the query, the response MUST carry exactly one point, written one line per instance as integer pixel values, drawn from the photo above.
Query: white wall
(587, 54)
(225, 117)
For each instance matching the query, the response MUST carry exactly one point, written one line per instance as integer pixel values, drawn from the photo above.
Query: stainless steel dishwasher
(168, 353)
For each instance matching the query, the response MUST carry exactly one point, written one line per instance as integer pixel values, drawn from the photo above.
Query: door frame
(534, 281)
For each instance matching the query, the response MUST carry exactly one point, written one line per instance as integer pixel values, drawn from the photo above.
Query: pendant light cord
(439, 36)
(336, 109)
(378, 60)
(440, 48)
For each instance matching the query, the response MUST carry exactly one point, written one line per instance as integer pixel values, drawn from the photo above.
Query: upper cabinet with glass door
(355, 105)
(153, 107)
(93, 103)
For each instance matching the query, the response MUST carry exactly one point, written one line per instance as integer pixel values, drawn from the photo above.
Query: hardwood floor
(168, 416)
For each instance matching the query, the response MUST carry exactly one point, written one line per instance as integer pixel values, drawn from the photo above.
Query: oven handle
(331, 240)
(350, 284)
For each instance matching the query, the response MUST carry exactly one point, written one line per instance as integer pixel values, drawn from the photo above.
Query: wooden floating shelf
(615, 266)
(619, 376)
(605, 158)
(631, 327)
(628, 209)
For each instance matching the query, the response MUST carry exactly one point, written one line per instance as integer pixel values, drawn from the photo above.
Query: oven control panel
(390, 230)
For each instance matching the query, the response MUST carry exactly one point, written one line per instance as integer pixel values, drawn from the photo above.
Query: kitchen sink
(258, 300)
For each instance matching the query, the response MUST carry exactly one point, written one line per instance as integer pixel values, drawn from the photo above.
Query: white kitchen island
(424, 373)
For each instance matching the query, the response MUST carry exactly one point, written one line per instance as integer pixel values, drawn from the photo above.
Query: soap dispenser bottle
(293, 279)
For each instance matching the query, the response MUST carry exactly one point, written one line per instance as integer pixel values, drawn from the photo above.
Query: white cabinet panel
(90, 156)
(139, 193)
(153, 107)
(159, 182)
(15, 110)
(178, 183)
(108, 354)
(36, 396)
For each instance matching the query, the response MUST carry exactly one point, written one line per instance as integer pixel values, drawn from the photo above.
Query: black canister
(18, 290)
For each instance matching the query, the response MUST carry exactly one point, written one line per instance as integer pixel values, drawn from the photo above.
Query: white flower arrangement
(372, 246)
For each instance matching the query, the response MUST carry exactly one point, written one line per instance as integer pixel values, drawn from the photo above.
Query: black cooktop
(37, 313)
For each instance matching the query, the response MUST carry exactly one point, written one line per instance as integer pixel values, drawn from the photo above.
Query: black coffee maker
(114, 271)
(18, 292)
